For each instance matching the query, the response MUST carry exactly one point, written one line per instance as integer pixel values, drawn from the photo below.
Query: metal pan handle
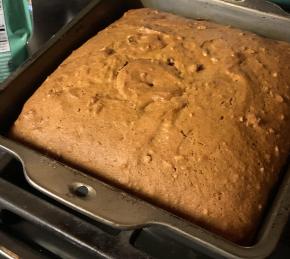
(86, 194)
(263, 6)
(80, 191)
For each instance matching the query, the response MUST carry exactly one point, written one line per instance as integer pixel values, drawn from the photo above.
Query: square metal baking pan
(108, 204)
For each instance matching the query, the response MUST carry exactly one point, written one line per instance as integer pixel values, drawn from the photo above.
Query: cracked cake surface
(189, 114)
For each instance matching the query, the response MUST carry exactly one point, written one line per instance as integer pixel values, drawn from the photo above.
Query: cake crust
(192, 115)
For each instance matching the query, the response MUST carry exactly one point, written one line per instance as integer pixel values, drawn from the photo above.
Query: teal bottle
(15, 30)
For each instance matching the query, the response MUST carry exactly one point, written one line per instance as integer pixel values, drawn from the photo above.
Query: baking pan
(99, 200)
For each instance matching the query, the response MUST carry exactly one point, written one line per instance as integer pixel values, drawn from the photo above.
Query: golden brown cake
(192, 115)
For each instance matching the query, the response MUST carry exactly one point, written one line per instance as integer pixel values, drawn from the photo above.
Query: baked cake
(189, 114)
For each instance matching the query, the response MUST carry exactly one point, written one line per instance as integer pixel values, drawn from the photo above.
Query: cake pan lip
(152, 214)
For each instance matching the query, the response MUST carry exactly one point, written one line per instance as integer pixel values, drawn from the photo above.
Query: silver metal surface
(7, 253)
(261, 17)
(119, 209)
